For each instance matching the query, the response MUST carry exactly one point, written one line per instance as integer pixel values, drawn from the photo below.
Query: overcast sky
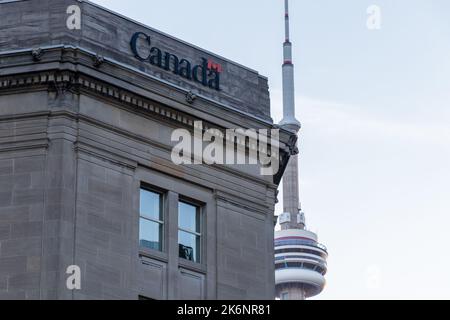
(375, 143)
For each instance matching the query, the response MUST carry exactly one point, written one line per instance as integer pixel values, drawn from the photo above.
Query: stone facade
(78, 138)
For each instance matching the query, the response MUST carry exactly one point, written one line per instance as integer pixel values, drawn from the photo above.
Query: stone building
(86, 176)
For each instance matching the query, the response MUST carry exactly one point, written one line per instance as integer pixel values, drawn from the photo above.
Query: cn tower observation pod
(300, 264)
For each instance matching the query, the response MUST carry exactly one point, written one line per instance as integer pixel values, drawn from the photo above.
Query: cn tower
(300, 260)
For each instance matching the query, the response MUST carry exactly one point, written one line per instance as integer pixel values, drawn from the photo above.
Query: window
(151, 220)
(285, 296)
(189, 231)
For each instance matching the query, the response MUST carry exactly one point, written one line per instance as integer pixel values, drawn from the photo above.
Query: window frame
(161, 223)
(200, 212)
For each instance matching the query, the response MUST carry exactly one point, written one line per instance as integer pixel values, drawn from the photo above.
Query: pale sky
(375, 143)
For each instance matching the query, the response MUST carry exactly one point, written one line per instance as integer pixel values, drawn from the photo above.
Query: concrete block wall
(22, 198)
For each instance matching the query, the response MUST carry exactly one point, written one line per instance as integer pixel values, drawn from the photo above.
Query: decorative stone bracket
(37, 54)
(191, 97)
(98, 60)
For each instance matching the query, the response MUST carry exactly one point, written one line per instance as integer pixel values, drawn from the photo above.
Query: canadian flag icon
(214, 66)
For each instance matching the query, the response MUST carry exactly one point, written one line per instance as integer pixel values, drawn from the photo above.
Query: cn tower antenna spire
(286, 5)
(288, 78)
(291, 218)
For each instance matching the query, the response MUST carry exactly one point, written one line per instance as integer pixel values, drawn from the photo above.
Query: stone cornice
(72, 58)
(82, 61)
(61, 81)
(64, 69)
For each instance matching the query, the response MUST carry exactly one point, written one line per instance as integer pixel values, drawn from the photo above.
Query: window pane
(189, 246)
(151, 205)
(188, 217)
(150, 234)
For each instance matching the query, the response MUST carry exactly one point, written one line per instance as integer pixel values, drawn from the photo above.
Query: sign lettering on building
(206, 73)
